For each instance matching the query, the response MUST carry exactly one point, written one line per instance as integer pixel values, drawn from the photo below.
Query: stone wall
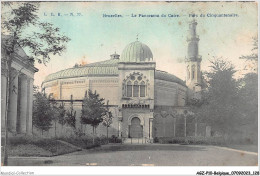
(106, 87)
(169, 93)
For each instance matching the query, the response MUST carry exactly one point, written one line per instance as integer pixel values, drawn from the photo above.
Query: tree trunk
(9, 89)
(42, 132)
(62, 129)
(55, 129)
(93, 135)
(8, 93)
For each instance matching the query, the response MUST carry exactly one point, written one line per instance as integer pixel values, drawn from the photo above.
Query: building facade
(20, 106)
(142, 99)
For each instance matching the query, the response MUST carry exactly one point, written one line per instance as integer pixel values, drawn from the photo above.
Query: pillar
(12, 109)
(174, 127)
(29, 106)
(23, 104)
(119, 129)
(3, 101)
(151, 129)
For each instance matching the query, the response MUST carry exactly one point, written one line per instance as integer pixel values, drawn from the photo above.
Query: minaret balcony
(193, 58)
(193, 38)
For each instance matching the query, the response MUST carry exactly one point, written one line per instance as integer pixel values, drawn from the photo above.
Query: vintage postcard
(129, 84)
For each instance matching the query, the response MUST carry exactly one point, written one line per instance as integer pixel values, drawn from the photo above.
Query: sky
(94, 37)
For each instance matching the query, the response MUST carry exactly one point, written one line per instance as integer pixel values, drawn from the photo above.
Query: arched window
(136, 89)
(129, 89)
(135, 86)
(142, 89)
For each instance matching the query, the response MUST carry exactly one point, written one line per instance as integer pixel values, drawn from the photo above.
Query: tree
(92, 110)
(253, 58)
(70, 116)
(54, 112)
(42, 112)
(62, 115)
(248, 95)
(219, 104)
(107, 119)
(248, 106)
(40, 40)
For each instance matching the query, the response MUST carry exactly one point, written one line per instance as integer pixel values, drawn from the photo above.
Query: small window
(142, 89)
(136, 89)
(129, 89)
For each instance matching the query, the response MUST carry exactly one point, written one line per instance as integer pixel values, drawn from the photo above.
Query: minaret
(193, 60)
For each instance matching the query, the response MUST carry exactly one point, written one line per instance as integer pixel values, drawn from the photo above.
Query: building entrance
(135, 129)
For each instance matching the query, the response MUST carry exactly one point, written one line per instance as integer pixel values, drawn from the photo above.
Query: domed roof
(162, 75)
(136, 52)
(103, 68)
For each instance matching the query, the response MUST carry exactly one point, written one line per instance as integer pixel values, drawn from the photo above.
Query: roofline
(96, 75)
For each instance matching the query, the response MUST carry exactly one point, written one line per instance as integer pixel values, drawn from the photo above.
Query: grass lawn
(249, 147)
(27, 146)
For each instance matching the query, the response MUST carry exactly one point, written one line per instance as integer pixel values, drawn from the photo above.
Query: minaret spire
(193, 42)
(193, 61)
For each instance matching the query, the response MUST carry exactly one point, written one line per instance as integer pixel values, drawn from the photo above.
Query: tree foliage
(107, 119)
(42, 112)
(62, 113)
(227, 104)
(248, 107)
(93, 110)
(21, 29)
(219, 103)
(70, 117)
(253, 57)
(40, 40)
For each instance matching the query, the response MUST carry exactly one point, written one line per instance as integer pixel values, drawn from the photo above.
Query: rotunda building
(144, 101)
(135, 89)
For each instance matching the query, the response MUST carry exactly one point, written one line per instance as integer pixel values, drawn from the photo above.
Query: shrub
(191, 140)
(114, 139)
(85, 142)
(156, 140)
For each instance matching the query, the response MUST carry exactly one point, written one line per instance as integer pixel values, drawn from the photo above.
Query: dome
(136, 52)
